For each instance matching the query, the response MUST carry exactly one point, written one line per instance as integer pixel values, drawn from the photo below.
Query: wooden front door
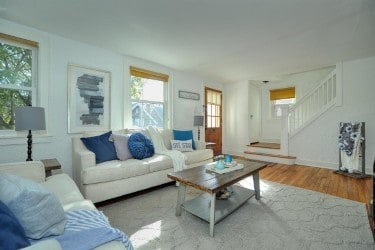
(213, 118)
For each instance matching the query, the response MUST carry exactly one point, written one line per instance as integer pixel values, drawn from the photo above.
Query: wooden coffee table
(206, 206)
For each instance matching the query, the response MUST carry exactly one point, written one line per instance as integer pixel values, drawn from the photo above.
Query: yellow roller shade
(18, 40)
(144, 73)
(277, 94)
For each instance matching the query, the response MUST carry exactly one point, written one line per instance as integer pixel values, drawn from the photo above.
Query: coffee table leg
(212, 214)
(180, 198)
(256, 185)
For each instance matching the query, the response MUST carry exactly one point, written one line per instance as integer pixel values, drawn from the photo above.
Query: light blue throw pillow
(38, 210)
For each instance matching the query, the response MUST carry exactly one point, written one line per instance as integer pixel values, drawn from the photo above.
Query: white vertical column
(284, 138)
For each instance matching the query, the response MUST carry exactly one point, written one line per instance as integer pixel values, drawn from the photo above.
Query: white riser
(274, 159)
(263, 150)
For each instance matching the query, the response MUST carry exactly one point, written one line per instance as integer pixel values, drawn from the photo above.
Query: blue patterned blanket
(87, 229)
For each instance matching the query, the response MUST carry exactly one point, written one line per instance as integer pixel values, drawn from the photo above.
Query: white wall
(58, 52)
(236, 118)
(316, 145)
(303, 82)
(254, 113)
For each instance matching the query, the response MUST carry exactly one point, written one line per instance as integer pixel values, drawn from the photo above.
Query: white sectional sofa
(110, 179)
(63, 187)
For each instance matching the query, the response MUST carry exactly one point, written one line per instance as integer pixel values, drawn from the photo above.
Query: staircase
(314, 104)
(320, 99)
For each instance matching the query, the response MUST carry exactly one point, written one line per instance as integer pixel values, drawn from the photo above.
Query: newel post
(284, 138)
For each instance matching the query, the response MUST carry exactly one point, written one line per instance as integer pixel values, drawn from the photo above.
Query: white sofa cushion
(167, 135)
(159, 162)
(64, 188)
(114, 170)
(198, 156)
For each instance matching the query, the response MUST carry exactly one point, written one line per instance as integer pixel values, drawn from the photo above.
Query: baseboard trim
(321, 164)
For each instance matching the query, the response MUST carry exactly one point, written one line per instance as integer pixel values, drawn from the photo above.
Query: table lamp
(29, 118)
(198, 121)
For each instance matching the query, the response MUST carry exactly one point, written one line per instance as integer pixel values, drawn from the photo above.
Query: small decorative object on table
(228, 158)
(224, 194)
(220, 164)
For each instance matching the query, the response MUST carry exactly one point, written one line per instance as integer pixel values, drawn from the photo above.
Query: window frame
(12, 137)
(274, 106)
(215, 115)
(152, 75)
(280, 94)
(34, 47)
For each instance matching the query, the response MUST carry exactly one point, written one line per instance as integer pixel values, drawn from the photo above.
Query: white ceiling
(225, 40)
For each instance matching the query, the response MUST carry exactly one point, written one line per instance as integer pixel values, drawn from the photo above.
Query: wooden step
(265, 145)
(263, 150)
(275, 158)
(271, 155)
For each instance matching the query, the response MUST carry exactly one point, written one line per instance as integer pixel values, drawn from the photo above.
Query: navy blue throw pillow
(140, 146)
(12, 234)
(103, 148)
(184, 135)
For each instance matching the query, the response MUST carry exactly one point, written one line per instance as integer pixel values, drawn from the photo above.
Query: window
(213, 108)
(18, 71)
(280, 98)
(148, 91)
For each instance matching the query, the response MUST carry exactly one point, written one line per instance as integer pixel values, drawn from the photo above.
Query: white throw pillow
(38, 210)
(183, 146)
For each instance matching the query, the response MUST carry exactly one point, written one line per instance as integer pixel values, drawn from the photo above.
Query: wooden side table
(210, 145)
(50, 164)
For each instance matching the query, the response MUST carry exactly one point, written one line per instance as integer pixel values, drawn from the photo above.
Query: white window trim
(272, 114)
(34, 74)
(127, 122)
(42, 83)
(164, 103)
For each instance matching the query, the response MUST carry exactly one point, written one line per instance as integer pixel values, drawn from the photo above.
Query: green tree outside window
(16, 81)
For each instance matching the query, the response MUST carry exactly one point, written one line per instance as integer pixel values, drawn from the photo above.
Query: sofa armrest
(82, 158)
(199, 145)
(33, 170)
(64, 188)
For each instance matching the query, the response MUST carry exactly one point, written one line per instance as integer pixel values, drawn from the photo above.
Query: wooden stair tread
(271, 155)
(265, 145)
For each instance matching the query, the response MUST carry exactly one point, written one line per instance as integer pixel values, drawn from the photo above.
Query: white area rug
(285, 218)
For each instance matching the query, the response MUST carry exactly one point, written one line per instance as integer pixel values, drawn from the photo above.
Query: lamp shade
(29, 118)
(198, 120)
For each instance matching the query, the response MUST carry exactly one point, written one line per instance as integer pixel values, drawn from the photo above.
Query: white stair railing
(316, 102)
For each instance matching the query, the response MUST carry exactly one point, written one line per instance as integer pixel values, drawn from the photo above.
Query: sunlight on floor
(146, 234)
(248, 183)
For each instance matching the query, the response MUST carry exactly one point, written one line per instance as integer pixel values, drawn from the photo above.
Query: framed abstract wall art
(88, 99)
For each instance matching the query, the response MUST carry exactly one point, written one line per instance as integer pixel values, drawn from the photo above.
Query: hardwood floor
(320, 180)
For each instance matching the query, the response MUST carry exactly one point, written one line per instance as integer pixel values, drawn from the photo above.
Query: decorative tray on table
(229, 167)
